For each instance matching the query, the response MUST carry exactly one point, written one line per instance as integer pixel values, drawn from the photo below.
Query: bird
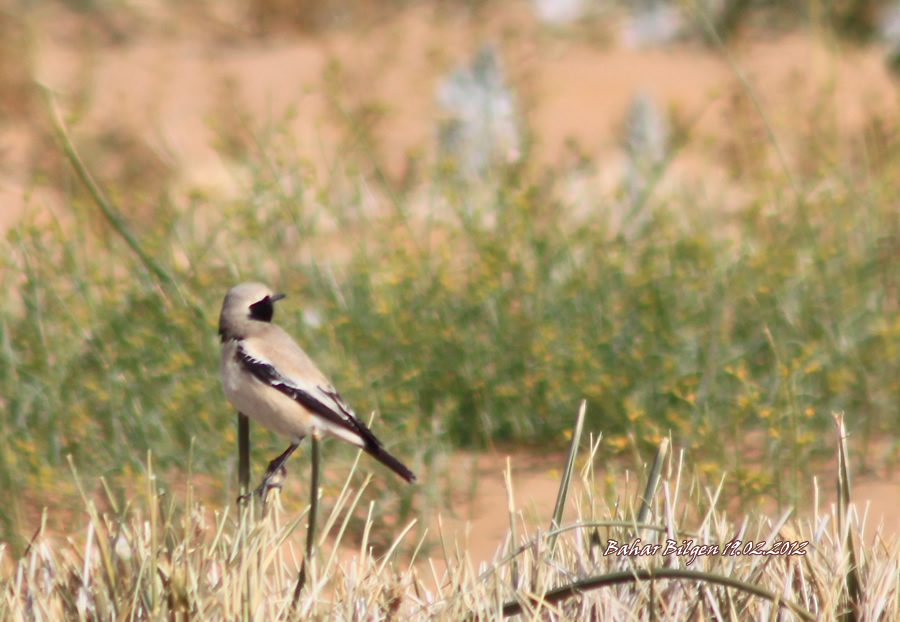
(269, 378)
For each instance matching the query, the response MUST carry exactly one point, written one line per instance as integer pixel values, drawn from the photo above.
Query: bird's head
(243, 304)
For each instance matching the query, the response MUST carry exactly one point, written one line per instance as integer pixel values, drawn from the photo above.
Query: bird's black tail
(373, 447)
(377, 451)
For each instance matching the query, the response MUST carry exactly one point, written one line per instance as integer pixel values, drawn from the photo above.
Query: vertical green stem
(311, 528)
(243, 455)
(244, 503)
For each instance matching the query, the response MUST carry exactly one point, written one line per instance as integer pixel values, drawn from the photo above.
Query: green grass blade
(566, 480)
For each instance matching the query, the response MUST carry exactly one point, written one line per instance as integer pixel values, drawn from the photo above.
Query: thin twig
(650, 574)
(311, 526)
(109, 211)
(243, 457)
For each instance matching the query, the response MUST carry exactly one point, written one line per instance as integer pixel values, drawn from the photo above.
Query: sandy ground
(484, 523)
(170, 82)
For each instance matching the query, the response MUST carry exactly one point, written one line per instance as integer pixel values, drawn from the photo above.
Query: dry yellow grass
(682, 562)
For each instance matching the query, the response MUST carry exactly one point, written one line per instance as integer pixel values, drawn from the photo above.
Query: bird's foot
(272, 479)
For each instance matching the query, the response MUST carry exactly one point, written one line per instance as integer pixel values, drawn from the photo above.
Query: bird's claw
(272, 479)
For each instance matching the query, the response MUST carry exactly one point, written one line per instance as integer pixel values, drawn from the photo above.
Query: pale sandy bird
(269, 378)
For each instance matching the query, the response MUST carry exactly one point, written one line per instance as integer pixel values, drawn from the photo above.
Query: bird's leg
(276, 469)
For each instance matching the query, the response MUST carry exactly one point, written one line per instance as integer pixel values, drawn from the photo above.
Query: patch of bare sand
(170, 88)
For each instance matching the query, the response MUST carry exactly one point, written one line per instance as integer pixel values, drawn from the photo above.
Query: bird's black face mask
(263, 310)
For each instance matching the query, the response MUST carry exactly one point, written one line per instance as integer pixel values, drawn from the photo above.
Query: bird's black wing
(325, 401)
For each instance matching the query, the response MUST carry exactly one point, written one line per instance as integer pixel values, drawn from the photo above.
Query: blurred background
(482, 213)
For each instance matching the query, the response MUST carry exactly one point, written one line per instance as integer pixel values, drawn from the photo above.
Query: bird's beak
(276, 297)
